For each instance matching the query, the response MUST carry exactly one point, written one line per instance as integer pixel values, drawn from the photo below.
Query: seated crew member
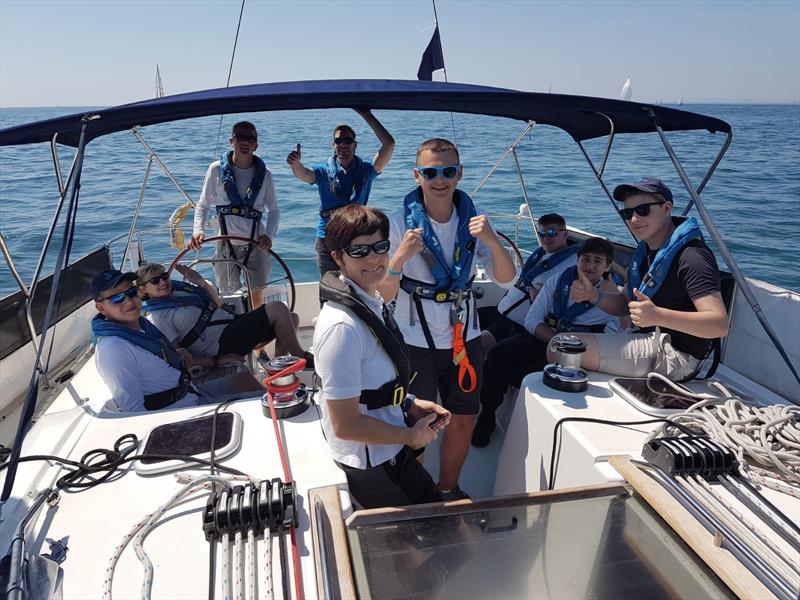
(344, 179)
(437, 238)
(239, 186)
(552, 312)
(549, 260)
(192, 316)
(673, 293)
(363, 363)
(138, 363)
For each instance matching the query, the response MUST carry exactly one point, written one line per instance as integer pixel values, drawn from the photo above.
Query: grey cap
(650, 185)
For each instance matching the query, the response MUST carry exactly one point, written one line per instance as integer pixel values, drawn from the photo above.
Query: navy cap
(650, 185)
(107, 280)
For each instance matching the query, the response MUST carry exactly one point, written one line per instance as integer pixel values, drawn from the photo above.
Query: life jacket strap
(391, 393)
(423, 291)
(561, 325)
(160, 400)
(239, 211)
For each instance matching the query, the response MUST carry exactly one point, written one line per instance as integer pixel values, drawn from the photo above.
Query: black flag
(432, 58)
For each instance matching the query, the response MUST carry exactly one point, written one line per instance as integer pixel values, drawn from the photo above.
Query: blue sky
(75, 53)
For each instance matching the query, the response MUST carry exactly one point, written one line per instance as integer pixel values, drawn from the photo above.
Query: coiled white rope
(764, 439)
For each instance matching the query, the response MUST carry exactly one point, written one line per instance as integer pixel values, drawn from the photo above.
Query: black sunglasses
(550, 233)
(642, 210)
(119, 298)
(361, 250)
(157, 279)
(343, 140)
(244, 137)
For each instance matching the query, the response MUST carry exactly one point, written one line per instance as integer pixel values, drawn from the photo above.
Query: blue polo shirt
(329, 200)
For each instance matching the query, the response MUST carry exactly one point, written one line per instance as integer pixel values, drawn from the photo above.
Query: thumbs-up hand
(583, 290)
(294, 157)
(643, 312)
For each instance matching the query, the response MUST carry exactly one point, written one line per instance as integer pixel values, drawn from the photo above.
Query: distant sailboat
(626, 92)
(680, 100)
(158, 91)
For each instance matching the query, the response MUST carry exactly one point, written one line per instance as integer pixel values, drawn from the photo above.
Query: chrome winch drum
(565, 374)
(288, 394)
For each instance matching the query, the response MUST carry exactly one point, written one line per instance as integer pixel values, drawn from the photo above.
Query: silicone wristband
(395, 273)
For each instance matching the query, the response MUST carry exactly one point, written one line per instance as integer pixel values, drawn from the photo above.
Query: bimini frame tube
(723, 248)
(711, 170)
(73, 188)
(531, 125)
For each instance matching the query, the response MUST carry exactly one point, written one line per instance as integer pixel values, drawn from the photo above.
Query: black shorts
(436, 373)
(397, 482)
(246, 332)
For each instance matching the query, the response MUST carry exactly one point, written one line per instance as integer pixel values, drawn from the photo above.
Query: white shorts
(228, 274)
(637, 354)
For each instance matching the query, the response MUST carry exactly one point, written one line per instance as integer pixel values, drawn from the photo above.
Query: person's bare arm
(411, 245)
(709, 322)
(349, 424)
(503, 269)
(384, 154)
(300, 171)
(543, 332)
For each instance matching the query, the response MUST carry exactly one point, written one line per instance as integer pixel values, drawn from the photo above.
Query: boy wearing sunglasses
(239, 186)
(192, 316)
(436, 240)
(549, 260)
(138, 363)
(673, 293)
(344, 179)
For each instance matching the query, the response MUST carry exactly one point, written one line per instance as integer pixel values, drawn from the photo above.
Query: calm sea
(754, 196)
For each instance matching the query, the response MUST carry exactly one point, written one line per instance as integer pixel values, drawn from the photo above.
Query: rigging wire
(230, 70)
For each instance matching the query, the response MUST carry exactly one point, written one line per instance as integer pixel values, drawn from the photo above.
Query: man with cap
(673, 293)
(239, 186)
(138, 363)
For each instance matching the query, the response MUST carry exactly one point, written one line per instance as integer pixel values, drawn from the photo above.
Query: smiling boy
(436, 240)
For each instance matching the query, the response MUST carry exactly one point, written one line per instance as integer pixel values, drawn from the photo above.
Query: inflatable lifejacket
(149, 338)
(391, 393)
(240, 207)
(194, 296)
(345, 194)
(535, 266)
(563, 315)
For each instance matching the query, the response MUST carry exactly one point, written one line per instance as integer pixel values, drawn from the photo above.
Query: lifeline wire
(230, 70)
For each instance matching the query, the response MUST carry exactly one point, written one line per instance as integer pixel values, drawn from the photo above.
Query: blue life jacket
(685, 232)
(349, 192)
(229, 181)
(535, 266)
(194, 297)
(563, 314)
(455, 278)
(149, 338)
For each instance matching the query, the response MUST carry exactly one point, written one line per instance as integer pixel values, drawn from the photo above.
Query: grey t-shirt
(175, 323)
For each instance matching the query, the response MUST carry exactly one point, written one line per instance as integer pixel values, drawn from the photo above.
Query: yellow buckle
(398, 395)
(441, 297)
(459, 357)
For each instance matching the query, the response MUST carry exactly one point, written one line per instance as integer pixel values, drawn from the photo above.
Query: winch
(565, 373)
(289, 395)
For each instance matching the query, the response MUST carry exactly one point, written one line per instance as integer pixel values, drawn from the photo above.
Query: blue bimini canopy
(582, 117)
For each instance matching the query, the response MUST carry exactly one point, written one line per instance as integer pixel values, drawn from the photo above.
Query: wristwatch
(408, 401)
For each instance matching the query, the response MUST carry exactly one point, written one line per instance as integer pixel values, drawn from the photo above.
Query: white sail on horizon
(158, 90)
(626, 92)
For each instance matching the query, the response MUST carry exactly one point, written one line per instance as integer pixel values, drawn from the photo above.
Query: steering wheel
(516, 254)
(216, 238)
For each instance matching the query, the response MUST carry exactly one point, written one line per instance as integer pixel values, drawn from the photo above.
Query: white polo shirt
(436, 314)
(348, 358)
(514, 294)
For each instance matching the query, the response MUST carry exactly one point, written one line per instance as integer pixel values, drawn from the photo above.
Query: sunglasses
(642, 210)
(550, 233)
(119, 298)
(156, 280)
(361, 250)
(243, 137)
(343, 140)
(448, 172)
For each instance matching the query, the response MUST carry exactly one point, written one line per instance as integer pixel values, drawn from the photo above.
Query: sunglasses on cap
(361, 250)
(642, 210)
(119, 298)
(550, 233)
(448, 172)
(343, 140)
(156, 280)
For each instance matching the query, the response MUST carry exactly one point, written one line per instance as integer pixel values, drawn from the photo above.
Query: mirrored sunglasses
(119, 298)
(156, 280)
(550, 233)
(642, 210)
(361, 250)
(343, 140)
(448, 172)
